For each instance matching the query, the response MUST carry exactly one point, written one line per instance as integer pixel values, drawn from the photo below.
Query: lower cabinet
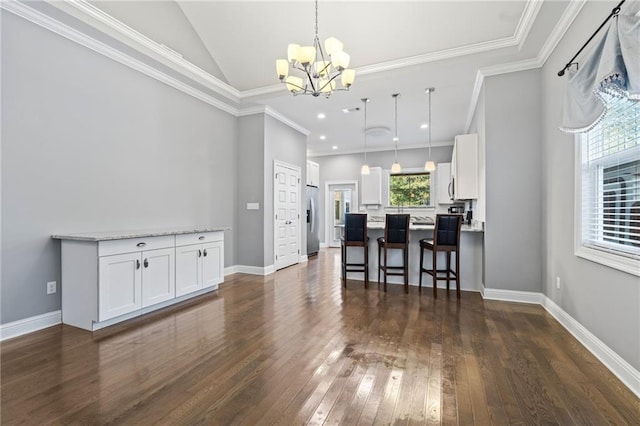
(104, 282)
(199, 265)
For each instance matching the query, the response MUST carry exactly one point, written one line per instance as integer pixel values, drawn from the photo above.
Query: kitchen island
(471, 243)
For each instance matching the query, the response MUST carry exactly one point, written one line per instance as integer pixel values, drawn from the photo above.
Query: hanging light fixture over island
(320, 68)
(429, 166)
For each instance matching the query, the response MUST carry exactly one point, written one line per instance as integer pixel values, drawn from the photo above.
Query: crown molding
(262, 109)
(24, 11)
(563, 25)
(527, 19)
(95, 17)
(311, 153)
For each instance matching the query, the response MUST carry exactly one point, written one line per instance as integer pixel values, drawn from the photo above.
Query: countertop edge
(123, 235)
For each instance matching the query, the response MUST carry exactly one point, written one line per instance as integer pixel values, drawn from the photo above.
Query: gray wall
(513, 246)
(91, 145)
(604, 300)
(250, 178)
(343, 167)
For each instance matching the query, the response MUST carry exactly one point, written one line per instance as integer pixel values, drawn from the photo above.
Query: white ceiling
(395, 47)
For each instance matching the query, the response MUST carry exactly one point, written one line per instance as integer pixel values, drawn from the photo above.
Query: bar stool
(355, 235)
(446, 238)
(396, 236)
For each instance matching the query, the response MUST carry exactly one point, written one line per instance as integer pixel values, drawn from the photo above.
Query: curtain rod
(614, 12)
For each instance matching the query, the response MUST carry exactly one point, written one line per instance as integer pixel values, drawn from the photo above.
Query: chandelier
(320, 68)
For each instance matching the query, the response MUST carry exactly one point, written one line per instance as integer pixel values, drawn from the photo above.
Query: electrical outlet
(51, 287)
(557, 282)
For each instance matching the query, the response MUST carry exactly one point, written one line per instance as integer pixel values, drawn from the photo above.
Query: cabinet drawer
(110, 247)
(203, 237)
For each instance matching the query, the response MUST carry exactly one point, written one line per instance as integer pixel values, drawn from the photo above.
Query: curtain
(612, 68)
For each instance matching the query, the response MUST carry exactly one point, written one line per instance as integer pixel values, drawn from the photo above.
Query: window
(610, 190)
(410, 189)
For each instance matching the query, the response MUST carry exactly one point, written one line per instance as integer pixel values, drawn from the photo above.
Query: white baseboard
(230, 270)
(324, 245)
(303, 258)
(255, 270)
(614, 362)
(512, 296)
(618, 366)
(29, 325)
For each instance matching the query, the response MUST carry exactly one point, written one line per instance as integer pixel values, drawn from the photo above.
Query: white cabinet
(372, 187)
(107, 280)
(131, 278)
(444, 184)
(464, 167)
(313, 173)
(199, 265)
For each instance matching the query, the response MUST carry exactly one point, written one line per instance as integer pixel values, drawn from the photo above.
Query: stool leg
(405, 251)
(458, 274)
(448, 270)
(420, 269)
(385, 269)
(379, 263)
(366, 266)
(343, 267)
(434, 268)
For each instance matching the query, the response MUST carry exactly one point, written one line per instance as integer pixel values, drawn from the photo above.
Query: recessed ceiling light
(322, 137)
(334, 147)
(424, 126)
(321, 115)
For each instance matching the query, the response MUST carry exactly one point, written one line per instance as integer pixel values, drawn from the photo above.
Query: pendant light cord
(430, 124)
(365, 129)
(395, 95)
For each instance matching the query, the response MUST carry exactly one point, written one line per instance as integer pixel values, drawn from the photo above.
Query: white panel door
(188, 269)
(158, 276)
(120, 285)
(287, 216)
(212, 264)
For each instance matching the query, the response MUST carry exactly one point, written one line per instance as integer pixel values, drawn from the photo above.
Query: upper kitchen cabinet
(444, 183)
(372, 187)
(313, 173)
(464, 167)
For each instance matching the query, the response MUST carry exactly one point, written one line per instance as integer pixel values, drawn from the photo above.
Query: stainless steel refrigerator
(313, 221)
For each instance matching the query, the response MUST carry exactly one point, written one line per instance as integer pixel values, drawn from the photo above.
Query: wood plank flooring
(296, 348)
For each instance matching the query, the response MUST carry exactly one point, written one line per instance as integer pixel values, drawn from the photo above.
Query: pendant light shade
(395, 167)
(365, 168)
(429, 166)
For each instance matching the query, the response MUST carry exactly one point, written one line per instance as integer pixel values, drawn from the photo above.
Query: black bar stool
(355, 235)
(446, 238)
(396, 236)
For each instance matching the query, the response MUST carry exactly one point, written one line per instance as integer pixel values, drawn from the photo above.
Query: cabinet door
(158, 276)
(466, 167)
(188, 269)
(119, 285)
(444, 183)
(212, 264)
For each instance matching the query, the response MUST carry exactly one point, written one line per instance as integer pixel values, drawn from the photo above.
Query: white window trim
(386, 193)
(612, 260)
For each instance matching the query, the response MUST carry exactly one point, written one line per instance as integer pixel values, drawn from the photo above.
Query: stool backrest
(355, 227)
(396, 228)
(447, 230)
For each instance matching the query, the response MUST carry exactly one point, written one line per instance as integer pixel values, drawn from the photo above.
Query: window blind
(611, 180)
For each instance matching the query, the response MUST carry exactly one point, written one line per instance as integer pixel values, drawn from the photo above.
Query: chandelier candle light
(429, 166)
(395, 168)
(319, 75)
(365, 166)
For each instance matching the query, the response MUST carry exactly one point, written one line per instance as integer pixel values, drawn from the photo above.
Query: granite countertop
(122, 235)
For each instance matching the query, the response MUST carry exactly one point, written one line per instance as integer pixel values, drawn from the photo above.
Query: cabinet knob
(205, 252)
(137, 263)
(146, 263)
(201, 238)
(199, 253)
(141, 244)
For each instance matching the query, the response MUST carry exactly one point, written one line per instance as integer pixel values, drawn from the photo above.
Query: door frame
(278, 163)
(329, 206)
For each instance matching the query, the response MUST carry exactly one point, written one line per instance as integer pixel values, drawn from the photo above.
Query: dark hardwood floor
(296, 348)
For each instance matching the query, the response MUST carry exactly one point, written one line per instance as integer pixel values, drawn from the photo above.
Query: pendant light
(429, 166)
(365, 166)
(395, 168)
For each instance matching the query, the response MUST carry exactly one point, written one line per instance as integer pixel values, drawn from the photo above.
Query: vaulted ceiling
(228, 50)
